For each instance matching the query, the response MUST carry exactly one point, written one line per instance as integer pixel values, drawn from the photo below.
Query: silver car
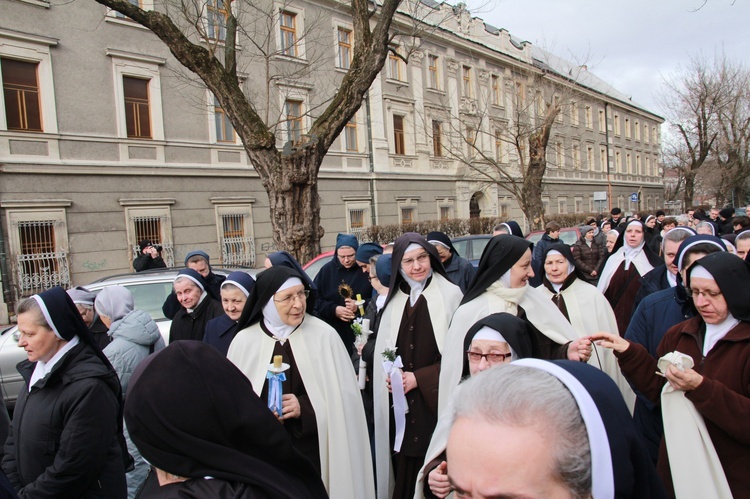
(149, 289)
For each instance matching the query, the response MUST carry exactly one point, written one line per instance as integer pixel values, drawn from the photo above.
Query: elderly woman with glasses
(704, 381)
(321, 407)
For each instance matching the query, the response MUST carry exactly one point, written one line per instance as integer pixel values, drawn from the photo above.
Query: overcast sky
(631, 44)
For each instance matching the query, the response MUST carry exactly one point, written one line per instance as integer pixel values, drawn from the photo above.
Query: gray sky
(631, 44)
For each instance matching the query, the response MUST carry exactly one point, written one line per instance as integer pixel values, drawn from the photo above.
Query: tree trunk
(689, 188)
(531, 198)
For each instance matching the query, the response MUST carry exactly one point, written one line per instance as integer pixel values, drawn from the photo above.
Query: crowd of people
(613, 367)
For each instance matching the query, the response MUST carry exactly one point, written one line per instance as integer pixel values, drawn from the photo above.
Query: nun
(494, 340)
(66, 437)
(84, 300)
(134, 335)
(420, 303)
(321, 404)
(536, 428)
(196, 307)
(243, 454)
(459, 270)
(501, 285)
(510, 227)
(585, 308)
(620, 278)
(704, 390)
(221, 330)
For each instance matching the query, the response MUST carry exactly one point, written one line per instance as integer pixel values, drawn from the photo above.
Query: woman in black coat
(66, 437)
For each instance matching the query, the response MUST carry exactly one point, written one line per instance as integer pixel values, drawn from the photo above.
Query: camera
(158, 247)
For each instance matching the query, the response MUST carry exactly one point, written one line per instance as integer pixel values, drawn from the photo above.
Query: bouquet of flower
(357, 328)
(389, 354)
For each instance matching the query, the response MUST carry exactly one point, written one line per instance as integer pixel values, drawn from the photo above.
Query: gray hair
(676, 236)
(30, 305)
(742, 236)
(523, 396)
(706, 224)
(185, 278)
(682, 220)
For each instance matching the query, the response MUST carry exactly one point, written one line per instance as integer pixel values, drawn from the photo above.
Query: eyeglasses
(290, 299)
(491, 358)
(409, 262)
(371, 277)
(347, 257)
(709, 295)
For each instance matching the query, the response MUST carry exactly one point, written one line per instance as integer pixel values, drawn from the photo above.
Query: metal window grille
(150, 228)
(357, 223)
(445, 212)
(237, 248)
(40, 264)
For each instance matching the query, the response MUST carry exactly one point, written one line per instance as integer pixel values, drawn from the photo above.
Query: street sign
(600, 195)
(634, 197)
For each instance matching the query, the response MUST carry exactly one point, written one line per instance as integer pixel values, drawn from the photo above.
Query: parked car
(313, 266)
(568, 235)
(471, 247)
(149, 289)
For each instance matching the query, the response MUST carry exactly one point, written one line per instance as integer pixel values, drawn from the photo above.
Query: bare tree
(205, 36)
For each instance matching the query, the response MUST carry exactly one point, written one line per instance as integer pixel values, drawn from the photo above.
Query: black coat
(147, 262)
(192, 325)
(213, 288)
(220, 332)
(653, 281)
(537, 259)
(331, 275)
(63, 441)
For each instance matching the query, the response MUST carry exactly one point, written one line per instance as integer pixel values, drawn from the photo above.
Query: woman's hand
(438, 481)
(609, 340)
(580, 350)
(344, 314)
(290, 407)
(410, 381)
(683, 380)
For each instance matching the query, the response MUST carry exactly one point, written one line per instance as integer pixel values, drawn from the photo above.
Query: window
(654, 136)
(437, 140)
(602, 121)
(637, 131)
(645, 133)
(137, 110)
(407, 215)
(152, 223)
(398, 135)
(39, 250)
(358, 217)
(578, 204)
(432, 69)
(602, 159)
(618, 162)
(466, 89)
(496, 95)
(21, 92)
(576, 156)
(216, 14)
(224, 128)
(288, 27)
(520, 96)
(350, 134)
(649, 172)
(345, 48)
(627, 128)
(501, 151)
(562, 205)
(293, 111)
(471, 146)
(628, 162)
(589, 117)
(590, 157)
(559, 155)
(638, 166)
(573, 113)
(617, 124)
(394, 64)
(503, 211)
(445, 213)
(236, 240)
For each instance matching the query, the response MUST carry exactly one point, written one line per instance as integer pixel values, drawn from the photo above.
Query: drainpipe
(371, 161)
(7, 296)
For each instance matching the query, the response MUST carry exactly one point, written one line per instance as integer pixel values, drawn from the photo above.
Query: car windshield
(150, 296)
(461, 248)
(477, 248)
(569, 237)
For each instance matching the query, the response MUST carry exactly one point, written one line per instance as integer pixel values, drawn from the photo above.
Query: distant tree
(216, 39)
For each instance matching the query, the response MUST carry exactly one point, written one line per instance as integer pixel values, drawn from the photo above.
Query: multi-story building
(106, 140)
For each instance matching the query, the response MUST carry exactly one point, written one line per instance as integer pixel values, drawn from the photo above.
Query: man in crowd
(199, 261)
(150, 257)
(743, 244)
(614, 220)
(459, 270)
(551, 236)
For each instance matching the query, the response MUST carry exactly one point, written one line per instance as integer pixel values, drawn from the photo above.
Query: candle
(360, 303)
(366, 326)
(277, 359)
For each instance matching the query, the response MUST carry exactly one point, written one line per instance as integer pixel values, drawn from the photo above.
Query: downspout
(7, 296)
(371, 161)
(606, 139)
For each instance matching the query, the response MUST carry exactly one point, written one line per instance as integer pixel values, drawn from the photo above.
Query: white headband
(46, 315)
(188, 276)
(700, 272)
(487, 333)
(690, 245)
(237, 284)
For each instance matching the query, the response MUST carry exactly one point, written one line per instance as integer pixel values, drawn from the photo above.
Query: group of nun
(210, 419)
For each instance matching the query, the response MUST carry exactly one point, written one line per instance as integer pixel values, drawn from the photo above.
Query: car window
(315, 267)
(535, 238)
(461, 247)
(477, 248)
(150, 296)
(569, 237)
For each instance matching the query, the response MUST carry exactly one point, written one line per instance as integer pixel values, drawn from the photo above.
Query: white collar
(43, 368)
(671, 279)
(715, 332)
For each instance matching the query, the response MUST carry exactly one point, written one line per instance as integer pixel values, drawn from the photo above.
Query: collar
(42, 369)
(203, 297)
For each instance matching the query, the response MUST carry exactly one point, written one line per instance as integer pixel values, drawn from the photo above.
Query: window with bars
(432, 69)
(398, 134)
(217, 14)
(288, 26)
(224, 128)
(350, 134)
(21, 93)
(152, 224)
(345, 48)
(445, 213)
(407, 215)
(437, 139)
(40, 261)
(137, 115)
(236, 241)
(293, 109)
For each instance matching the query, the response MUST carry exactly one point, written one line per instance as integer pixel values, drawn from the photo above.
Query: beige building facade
(105, 140)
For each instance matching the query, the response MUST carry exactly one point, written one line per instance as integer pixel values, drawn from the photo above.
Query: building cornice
(121, 54)
(36, 203)
(26, 37)
(232, 200)
(146, 201)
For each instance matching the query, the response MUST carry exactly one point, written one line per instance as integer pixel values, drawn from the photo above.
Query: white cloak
(540, 311)
(331, 384)
(642, 265)
(443, 297)
(589, 313)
